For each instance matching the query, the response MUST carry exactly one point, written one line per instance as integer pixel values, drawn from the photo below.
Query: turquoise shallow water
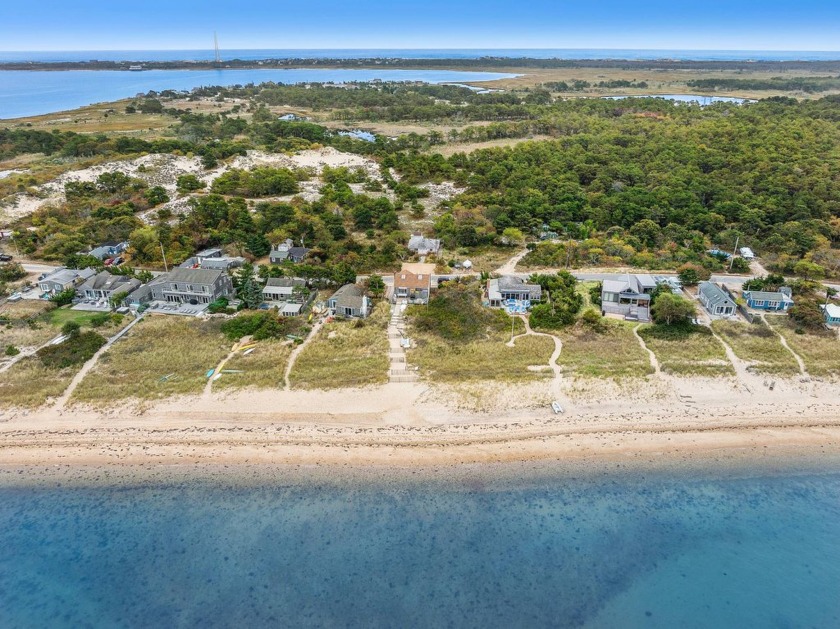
(612, 551)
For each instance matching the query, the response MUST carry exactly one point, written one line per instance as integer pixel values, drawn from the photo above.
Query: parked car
(5, 257)
(118, 260)
(109, 262)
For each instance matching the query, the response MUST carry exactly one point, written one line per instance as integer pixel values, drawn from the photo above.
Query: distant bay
(25, 93)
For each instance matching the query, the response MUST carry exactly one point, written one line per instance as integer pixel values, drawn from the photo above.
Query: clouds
(677, 24)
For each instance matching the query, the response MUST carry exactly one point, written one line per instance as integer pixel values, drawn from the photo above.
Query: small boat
(211, 372)
(555, 405)
(248, 351)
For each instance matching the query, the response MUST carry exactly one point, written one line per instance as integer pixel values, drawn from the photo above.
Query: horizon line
(424, 49)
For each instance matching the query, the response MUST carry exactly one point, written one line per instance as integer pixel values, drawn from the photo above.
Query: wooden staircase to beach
(399, 370)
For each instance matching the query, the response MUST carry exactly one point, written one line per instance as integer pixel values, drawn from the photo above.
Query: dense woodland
(640, 181)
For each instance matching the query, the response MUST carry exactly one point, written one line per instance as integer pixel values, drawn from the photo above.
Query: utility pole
(732, 261)
(163, 253)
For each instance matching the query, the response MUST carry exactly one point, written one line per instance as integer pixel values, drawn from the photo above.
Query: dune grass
(759, 345)
(29, 384)
(137, 365)
(345, 354)
(489, 358)
(687, 351)
(261, 369)
(24, 336)
(819, 351)
(612, 352)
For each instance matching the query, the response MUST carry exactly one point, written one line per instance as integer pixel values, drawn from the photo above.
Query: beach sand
(417, 426)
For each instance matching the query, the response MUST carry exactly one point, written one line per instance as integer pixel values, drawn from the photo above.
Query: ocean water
(25, 93)
(662, 550)
(208, 54)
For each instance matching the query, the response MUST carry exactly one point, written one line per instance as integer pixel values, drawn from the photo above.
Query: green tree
(809, 270)
(671, 309)
(64, 297)
(376, 285)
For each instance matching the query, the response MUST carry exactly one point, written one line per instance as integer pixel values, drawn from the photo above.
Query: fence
(742, 307)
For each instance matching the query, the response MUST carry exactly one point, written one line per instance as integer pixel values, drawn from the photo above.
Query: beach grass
(25, 309)
(263, 368)
(24, 336)
(611, 352)
(159, 357)
(759, 345)
(29, 384)
(489, 358)
(345, 354)
(687, 351)
(819, 351)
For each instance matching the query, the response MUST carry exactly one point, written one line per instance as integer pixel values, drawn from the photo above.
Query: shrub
(11, 350)
(739, 265)
(189, 183)
(259, 325)
(77, 349)
(64, 297)
(595, 294)
(455, 313)
(99, 319)
(11, 272)
(807, 314)
(70, 328)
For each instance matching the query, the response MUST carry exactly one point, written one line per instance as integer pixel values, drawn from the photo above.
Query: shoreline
(418, 441)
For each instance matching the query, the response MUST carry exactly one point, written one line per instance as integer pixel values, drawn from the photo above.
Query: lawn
(612, 352)
(345, 354)
(263, 368)
(819, 351)
(30, 384)
(691, 351)
(60, 316)
(159, 357)
(759, 345)
(488, 358)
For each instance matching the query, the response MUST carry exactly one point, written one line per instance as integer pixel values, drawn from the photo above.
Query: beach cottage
(502, 290)
(423, 246)
(63, 279)
(715, 300)
(628, 297)
(349, 301)
(773, 301)
(413, 283)
(831, 312)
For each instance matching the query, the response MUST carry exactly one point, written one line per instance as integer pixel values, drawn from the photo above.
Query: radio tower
(218, 54)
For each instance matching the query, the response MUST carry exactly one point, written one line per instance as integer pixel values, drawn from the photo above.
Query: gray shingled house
(350, 301)
(509, 287)
(715, 300)
(104, 285)
(191, 286)
(63, 279)
(628, 297)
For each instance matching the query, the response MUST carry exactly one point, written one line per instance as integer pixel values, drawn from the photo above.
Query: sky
(812, 25)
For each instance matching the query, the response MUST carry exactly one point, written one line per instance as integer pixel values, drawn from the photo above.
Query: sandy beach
(415, 425)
